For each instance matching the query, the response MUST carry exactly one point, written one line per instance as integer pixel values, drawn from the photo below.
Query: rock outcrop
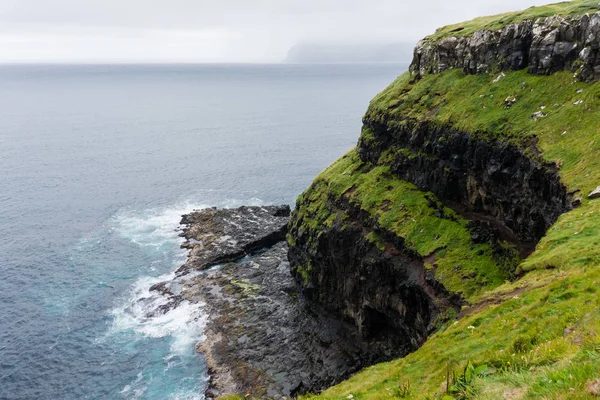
(264, 339)
(217, 236)
(483, 179)
(461, 195)
(545, 45)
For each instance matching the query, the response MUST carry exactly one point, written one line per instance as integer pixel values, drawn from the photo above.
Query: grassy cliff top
(566, 9)
(538, 338)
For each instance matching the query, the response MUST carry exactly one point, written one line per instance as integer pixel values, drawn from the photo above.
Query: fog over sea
(98, 163)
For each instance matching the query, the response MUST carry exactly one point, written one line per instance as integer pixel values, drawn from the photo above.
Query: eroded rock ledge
(545, 45)
(367, 274)
(263, 338)
(216, 236)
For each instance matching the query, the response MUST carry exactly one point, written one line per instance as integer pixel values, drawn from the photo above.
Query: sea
(97, 165)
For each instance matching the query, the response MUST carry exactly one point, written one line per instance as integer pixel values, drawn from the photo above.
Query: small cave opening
(376, 324)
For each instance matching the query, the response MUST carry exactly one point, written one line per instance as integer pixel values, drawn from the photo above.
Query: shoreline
(263, 338)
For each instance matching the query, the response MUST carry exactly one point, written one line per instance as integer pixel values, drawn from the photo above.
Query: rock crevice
(217, 236)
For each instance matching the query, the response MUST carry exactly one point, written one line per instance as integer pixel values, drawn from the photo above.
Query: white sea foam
(186, 395)
(183, 324)
(135, 313)
(135, 389)
(153, 227)
(157, 227)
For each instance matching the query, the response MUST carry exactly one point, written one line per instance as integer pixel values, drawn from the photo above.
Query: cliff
(463, 231)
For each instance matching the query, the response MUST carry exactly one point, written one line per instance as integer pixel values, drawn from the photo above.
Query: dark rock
(264, 339)
(482, 232)
(281, 211)
(387, 294)
(219, 236)
(545, 46)
(490, 178)
(162, 288)
(384, 288)
(172, 303)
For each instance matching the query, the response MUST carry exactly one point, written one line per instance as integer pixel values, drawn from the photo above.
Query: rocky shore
(263, 338)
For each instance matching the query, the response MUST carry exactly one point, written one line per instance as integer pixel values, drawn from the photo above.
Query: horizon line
(190, 63)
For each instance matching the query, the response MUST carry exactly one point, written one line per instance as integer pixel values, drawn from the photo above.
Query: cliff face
(367, 275)
(351, 253)
(489, 180)
(545, 46)
(460, 173)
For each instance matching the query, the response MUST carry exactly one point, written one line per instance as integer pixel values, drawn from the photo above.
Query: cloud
(214, 31)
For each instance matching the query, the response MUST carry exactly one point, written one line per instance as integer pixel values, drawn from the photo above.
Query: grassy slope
(540, 336)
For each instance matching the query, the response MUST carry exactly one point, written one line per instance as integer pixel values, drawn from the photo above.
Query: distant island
(306, 53)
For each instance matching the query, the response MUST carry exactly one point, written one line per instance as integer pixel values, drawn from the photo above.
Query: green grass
(566, 9)
(475, 104)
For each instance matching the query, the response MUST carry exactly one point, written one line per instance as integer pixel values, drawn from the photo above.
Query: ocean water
(98, 163)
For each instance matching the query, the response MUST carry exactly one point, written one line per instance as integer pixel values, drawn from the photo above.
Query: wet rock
(172, 303)
(163, 288)
(545, 46)
(217, 236)
(264, 339)
(595, 193)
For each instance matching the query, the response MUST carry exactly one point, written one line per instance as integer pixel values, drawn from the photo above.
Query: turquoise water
(97, 165)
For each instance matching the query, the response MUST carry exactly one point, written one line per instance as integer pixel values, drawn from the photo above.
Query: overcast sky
(216, 30)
